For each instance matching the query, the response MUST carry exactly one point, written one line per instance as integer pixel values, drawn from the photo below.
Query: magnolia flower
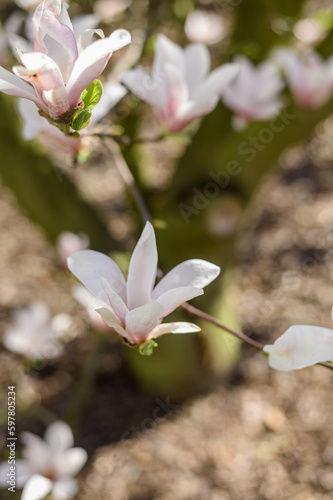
(61, 66)
(255, 94)
(179, 87)
(35, 334)
(47, 465)
(310, 78)
(301, 346)
(135, 309)
(35, 126)
(204, 27)
(27, 4)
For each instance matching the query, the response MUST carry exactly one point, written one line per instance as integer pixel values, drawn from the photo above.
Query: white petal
(23, 471)
(116, 301)
(219, 80)
(111, 320)
(13, 85)
(194, 272)
(64, 489)
(175, 327)
(36, 451)
(86, 37)
(141, 84)
(167, 52)
(72, 461)
(90, 266)
(36, 488)
(59, 436)
(173, 298)
(142, 269)
(301, 346)
(92, 61)
(56, 101)
(197, 60)
(142, 320)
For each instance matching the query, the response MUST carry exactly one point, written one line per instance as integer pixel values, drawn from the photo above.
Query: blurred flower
(60, 66)
(255, 94)
(91, 304)
(35, 334)
(135, 309)
(301, 346)
(204, 27)
(35, 126)
(69, 243)
(47, 465)
(27, 4)
(107, 11)
(179, 87)
(310, 78)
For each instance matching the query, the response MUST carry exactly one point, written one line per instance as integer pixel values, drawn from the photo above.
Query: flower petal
(194, 272)
(59, 436)
(36, 488)
(64, 489)
(24, 470)
(113, 322)
(197, 61)
(178, 327)
(90, 266)
(218, 80)
(116, 302)
(141, 84)
(142, 320)
(173, 298)
(36, 451)
(301, 346)
(92, 61)
(142, 269)
(72, 461)
(13, 85)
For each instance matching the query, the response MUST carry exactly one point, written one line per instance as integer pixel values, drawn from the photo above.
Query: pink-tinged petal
(177, 92)
(197, 60)
(190, 110)
(171, 299)
(72, 461)
(142, 269)
(116, 302)
(64, 489)
(175, 327)
(90, 266)
(142, 320)
(13, 85)
(56, 101)
(59, 436)
(301, 346)
(113, 322)
(92, 61)
(36, 488)
(84, 22)
(45, 21)
(194, 272)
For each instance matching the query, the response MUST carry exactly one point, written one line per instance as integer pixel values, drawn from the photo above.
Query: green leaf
(82, 120)
(147, 348)
(92, 94)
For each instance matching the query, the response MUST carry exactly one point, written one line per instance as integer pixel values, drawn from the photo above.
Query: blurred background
(203, 417)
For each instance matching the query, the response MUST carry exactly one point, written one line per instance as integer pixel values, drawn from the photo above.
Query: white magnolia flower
(309, 77)
(179, 87)
(47, 465)
(60, 66)
(35, 334)
(255, 94)
(204, 27)
(301, 346)
(135, 309)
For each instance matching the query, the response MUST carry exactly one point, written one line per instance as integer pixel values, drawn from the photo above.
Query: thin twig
(197, 312)
(128, 178)
(123, 140)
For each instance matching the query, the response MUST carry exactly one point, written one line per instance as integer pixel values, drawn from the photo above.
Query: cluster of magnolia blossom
(48, 465)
